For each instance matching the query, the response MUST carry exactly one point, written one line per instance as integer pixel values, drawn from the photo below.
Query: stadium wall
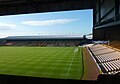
(106, 20)
(107, 33)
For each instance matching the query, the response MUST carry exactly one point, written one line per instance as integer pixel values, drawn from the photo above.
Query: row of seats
(99, 50)
(42, 43)
(112, 66)
(107, 58)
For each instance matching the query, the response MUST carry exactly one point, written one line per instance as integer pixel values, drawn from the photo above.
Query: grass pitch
(47, 62)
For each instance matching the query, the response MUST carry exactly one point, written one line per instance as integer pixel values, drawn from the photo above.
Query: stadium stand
(108, 59)
(42, 41)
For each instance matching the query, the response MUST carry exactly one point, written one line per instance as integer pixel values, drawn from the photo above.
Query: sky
(78, 22)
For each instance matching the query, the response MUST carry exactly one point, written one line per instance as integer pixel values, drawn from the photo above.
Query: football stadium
(59, 41)
(45, 56)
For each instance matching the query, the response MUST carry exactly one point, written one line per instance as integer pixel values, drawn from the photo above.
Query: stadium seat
(107, 57)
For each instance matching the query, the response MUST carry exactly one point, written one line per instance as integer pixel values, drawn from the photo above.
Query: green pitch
(47, 62)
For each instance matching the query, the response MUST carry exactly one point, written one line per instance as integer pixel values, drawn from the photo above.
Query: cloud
(49, 22)
(6, 26)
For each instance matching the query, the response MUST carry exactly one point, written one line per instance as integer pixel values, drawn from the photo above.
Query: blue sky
(77, 22)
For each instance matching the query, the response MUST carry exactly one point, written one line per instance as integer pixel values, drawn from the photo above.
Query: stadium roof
(10, 7)
(43, 37)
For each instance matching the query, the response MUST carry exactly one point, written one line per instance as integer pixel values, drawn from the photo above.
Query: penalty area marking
(75, 50)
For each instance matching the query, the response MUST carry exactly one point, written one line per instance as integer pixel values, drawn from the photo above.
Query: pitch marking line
(70, 64)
